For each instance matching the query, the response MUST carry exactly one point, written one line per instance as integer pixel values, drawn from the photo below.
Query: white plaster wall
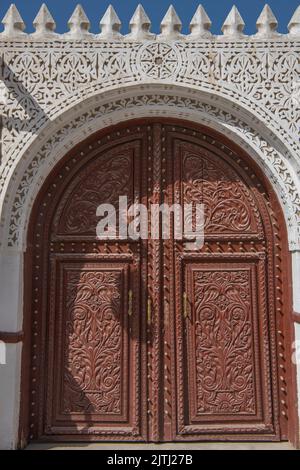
(11, 291)
(10, 396)
(11, 311)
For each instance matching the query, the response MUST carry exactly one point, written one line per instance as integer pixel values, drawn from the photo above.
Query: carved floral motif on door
(92, 376)
(224, 354)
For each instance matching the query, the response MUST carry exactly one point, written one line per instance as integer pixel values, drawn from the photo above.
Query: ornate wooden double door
(143, 340)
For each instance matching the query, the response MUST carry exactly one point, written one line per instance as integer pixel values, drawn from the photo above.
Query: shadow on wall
(25, 111)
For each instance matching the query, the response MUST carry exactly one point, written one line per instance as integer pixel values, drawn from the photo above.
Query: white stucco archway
(102, 109)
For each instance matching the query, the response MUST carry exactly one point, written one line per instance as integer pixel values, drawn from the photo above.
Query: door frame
(24, 429)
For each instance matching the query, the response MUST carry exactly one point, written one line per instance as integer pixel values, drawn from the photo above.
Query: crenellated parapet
(110, 25)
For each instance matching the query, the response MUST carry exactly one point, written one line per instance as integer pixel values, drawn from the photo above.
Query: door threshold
(118, 446)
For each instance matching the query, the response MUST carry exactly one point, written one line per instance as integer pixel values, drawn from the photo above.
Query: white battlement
(140, 24)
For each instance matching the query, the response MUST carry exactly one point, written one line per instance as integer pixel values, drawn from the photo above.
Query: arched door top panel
(208, 175)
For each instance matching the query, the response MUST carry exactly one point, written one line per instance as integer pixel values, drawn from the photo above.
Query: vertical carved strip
(247, 240)
(142, 247)
(178, 346)
(167, 294)
(154, 293)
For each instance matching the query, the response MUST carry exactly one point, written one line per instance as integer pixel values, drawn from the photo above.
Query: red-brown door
(223, 302)
(144, 339)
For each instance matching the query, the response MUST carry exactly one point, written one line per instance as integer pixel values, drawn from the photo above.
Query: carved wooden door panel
(91, 340)
(88, 369)
(220, 356)
(144, 340)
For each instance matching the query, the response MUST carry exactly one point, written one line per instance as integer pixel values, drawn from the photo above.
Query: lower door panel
(223, 357)
(94, 375)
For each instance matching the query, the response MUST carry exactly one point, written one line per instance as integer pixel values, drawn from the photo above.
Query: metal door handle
(130, 295)
(185, 305)
(149, 312)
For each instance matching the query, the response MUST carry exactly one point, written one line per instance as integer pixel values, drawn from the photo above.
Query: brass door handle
(130, 296)
(149, 312)
(185, 305)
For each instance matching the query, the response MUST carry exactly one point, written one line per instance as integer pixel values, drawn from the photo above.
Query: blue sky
(217, 10)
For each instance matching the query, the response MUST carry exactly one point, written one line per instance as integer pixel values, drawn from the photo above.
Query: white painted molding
(73, 125)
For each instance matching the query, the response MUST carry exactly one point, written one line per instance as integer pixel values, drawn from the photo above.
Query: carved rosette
(159, 61)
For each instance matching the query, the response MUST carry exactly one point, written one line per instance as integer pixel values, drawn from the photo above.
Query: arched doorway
(141, 340)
